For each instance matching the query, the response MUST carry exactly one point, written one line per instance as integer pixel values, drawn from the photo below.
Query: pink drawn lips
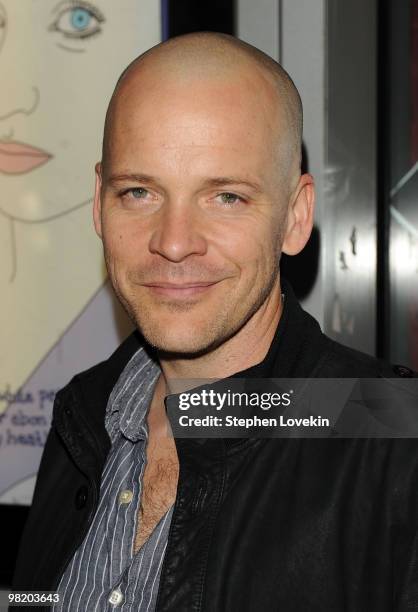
(18, 158)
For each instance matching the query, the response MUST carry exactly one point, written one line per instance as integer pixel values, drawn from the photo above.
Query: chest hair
(159, 486)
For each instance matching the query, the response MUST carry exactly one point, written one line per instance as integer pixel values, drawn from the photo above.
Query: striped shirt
(105, 573)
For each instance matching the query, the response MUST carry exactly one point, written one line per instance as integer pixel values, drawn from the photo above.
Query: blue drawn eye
(79, 21)
(80, 18)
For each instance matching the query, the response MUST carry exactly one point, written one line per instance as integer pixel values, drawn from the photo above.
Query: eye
(78, 21)
(229, 199)
(138, 198)
(137, 193)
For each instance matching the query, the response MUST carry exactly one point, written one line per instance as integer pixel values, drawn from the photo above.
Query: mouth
(180, 290)
(19, 158)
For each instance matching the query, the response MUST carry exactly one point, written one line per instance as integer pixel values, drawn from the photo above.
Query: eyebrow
(218, 181)
(221, 181)
(131, 176)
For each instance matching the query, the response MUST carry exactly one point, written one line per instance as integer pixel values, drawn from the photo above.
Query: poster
(59, 62)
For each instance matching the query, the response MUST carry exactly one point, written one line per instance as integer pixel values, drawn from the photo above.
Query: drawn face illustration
(58, 64)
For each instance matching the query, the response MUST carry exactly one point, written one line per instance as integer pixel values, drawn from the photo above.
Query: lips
(18, 158)
(180, 285)
(180, 290)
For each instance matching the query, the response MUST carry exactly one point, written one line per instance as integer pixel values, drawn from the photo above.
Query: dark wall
(191, 16)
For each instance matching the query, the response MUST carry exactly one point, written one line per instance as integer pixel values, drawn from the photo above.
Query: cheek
(123, 241)
(252, 245)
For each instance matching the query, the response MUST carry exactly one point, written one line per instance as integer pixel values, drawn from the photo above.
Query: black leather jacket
(259, 525)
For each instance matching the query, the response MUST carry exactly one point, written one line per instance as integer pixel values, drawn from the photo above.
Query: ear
(97, 206)
(300, 216)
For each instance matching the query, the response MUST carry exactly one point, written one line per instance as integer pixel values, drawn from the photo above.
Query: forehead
(176, 115)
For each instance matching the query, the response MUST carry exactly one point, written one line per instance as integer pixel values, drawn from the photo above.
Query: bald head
(210, 56)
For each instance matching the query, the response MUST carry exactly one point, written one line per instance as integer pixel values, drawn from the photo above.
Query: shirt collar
(129, 401)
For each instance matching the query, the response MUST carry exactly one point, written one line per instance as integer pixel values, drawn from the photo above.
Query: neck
(244, 349)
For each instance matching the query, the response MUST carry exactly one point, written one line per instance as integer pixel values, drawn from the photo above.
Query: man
(198, 193)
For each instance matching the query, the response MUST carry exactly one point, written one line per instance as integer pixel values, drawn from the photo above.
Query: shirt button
(116, 597)
(81, 497)
(125, 497)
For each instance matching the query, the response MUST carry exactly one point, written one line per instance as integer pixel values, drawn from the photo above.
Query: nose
(178, 233)
(18, 64)
(19, 102)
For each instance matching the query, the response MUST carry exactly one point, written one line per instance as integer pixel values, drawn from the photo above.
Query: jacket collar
(296, 345)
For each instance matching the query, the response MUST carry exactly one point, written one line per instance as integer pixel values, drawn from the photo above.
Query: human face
(58, 64)
(190, 209)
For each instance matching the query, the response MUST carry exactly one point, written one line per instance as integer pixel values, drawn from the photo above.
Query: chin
(172, 343)
(181, 340)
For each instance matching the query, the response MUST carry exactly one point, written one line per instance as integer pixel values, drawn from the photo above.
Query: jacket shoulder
(67, 486)
(87, 393)
(344, 361)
